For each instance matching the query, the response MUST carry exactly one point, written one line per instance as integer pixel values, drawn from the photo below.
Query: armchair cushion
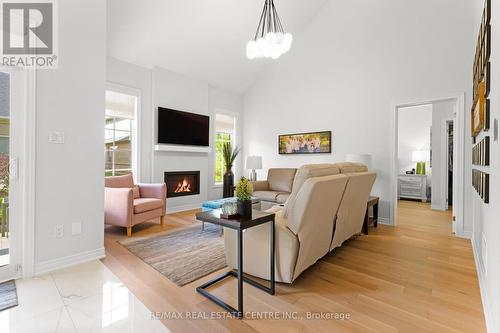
(142, 205)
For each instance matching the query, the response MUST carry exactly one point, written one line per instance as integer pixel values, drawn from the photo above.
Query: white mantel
(182, 148)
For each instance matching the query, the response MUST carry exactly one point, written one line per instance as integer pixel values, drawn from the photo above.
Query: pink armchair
(127, 204)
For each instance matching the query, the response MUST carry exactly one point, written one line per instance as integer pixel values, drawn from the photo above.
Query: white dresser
(412, 187)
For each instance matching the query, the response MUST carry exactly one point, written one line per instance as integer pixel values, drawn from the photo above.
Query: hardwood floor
(415, 277)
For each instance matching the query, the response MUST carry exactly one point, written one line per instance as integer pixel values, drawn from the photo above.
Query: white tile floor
(84, 298)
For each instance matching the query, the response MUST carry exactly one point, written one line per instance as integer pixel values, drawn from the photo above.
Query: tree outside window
(220, 139)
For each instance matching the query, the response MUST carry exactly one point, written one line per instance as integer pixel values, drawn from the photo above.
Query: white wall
(161, 87)
(486, 226)
(414, 133)
(441, 112)
(69, 177)
(347, 70)
(176, 91)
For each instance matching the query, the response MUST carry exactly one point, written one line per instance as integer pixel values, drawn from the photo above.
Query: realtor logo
(28, 34)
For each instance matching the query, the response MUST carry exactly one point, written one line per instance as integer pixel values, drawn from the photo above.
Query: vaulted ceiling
(202, 39)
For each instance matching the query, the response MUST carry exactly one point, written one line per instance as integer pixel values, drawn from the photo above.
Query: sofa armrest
(118, 206)
(260, 185)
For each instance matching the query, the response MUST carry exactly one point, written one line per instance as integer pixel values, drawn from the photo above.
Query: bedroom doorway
(427, 160)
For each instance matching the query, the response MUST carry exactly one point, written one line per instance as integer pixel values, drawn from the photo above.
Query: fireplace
(182, 183)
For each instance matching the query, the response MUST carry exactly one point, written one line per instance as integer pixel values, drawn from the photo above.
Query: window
(224, 132)
(119, 133)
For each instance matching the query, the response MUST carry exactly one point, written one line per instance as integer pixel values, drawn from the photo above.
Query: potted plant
(244, 198)
(229, 155)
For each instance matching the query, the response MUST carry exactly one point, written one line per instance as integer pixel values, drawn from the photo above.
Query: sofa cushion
(351, 167)
(304, 173)
(119, 181)
(267, 195)
(142, 205)
(281, 179)
(282, 197)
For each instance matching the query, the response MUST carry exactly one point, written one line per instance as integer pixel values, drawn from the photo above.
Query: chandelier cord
(269, 20)
(262, 16)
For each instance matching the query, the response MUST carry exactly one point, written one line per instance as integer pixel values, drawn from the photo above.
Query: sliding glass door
(12, 104)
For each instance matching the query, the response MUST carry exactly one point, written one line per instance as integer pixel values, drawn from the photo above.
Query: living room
(154, 234)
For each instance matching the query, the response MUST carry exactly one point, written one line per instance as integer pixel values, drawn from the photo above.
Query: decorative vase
(245, 208)
(228, 183)
(420, 168)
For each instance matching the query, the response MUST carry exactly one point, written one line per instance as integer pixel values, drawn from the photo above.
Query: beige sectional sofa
(278, 186)
(325, 207)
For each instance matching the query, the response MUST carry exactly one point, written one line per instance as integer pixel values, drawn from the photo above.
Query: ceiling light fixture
(271, 40)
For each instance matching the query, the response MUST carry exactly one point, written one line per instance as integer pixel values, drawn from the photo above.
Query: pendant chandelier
(271, 40)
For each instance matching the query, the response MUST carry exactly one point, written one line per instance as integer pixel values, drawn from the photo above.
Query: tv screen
(182, 128)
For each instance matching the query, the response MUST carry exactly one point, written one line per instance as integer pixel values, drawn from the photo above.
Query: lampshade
(420, 155)
(366, 159)
(254, 162)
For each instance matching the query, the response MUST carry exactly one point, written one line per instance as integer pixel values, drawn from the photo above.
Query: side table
(372, 202)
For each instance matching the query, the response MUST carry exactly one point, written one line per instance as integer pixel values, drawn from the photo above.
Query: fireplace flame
(183, 186)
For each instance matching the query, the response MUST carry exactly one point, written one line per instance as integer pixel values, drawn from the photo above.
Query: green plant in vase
(228, 155)
(244, 197)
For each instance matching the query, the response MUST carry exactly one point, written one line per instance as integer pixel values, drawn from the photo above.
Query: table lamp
(420, 156)
(365, 159)
(254, 163)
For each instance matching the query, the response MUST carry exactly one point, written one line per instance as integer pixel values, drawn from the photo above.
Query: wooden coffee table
(239, 225)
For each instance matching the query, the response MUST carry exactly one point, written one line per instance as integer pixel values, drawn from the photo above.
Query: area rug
(182, 256)
(8, 295)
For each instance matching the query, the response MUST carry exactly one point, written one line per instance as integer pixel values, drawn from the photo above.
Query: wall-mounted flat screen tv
(183, 128)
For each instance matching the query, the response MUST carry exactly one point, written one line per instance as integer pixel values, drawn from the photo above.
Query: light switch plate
(76, 228)
(56, 137)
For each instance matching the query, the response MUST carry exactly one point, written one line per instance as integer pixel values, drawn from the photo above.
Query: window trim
(136, 125)
(234, 141)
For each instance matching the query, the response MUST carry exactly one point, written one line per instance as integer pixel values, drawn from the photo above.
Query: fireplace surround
(182, 183)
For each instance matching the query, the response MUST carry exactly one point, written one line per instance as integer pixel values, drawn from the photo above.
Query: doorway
(427, 158)
(17, 172)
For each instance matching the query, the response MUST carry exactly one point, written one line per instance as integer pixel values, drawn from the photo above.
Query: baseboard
(439, 207)
(465, 234)
(488, 318)
(76, 259)
(176, 209)
(384, 220)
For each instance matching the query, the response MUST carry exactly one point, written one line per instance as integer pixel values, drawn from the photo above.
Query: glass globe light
(252, 49)
(279, 37)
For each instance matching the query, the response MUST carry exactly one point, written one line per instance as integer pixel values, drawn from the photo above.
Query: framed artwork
(481, 183)
(481, 152)
(479, 110)
(305, 143)
(480, 113)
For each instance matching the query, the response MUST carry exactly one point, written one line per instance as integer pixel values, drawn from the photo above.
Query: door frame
(458, 161)
(23, 240)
